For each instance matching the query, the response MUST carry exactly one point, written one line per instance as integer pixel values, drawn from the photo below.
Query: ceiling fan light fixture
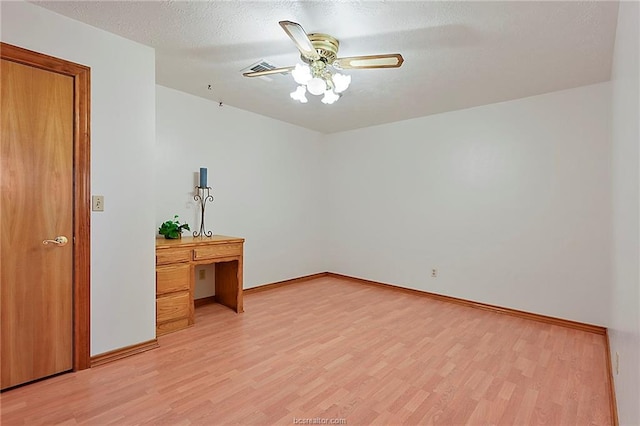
(317, 75)
(341, 82)
(318, 80)
(299, 95)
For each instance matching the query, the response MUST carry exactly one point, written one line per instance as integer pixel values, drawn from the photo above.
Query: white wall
(625, 321)
(266, 180)
(122, 152)
(510, 201)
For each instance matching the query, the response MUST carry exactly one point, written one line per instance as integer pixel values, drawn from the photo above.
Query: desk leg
(192, 285)
(227, 284)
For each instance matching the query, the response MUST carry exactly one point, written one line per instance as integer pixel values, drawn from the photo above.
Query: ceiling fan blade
(300, 38)
(392, 60)
(268, 72)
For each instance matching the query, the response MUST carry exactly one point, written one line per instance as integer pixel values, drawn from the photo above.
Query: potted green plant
(172, 229)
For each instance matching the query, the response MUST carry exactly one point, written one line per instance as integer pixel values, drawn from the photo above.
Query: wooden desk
(175, 262)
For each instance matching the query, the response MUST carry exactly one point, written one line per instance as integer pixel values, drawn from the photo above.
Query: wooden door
(39, 293)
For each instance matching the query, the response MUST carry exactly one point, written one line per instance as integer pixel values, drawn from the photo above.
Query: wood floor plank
(333, 348)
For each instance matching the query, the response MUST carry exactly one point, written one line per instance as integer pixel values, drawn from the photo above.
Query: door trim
(81, 192)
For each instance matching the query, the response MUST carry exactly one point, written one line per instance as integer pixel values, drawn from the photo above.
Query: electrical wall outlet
(97, 203)
(434, 272)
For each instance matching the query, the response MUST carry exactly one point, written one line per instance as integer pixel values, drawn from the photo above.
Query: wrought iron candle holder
(203, 195)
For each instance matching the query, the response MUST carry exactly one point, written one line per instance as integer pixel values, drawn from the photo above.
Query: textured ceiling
(457, 54)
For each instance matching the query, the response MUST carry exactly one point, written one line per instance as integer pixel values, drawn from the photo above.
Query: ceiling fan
(319, 52)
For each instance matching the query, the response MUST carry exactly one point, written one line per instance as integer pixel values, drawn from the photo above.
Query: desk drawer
(172, 307)
(172, 278)
(217, 250)
(173, 256)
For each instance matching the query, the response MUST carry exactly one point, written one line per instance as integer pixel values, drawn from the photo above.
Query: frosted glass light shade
(299, 95)
(301, 74)
(329, 97)
(341, 82)
(316, 86)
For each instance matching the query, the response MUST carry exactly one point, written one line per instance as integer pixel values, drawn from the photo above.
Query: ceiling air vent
(261, 66)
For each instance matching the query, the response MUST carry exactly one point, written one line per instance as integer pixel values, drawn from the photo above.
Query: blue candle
(203, 177)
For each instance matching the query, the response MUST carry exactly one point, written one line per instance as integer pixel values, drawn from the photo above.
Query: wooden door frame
(81, 189)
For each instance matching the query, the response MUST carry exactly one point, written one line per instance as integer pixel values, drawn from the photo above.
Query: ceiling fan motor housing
(325, 45)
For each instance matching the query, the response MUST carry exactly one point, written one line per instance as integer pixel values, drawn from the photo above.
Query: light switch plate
(97, 203)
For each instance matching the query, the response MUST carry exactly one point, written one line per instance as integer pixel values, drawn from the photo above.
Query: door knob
(59, 241)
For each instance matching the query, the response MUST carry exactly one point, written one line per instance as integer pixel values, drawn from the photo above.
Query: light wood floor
(334, 349)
